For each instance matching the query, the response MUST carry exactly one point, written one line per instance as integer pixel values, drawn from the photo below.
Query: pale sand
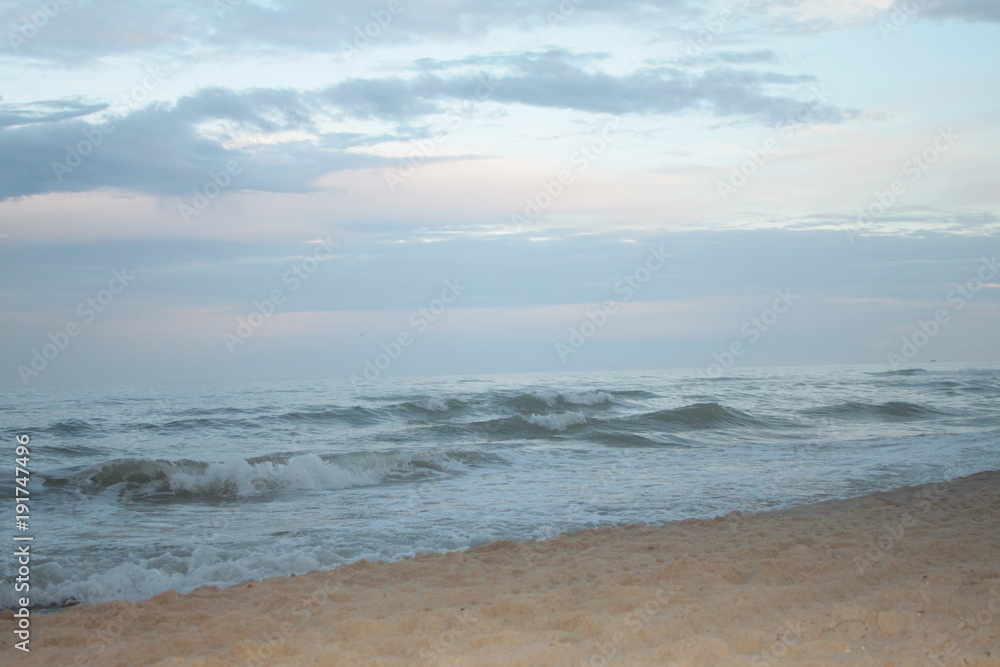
(910, 577)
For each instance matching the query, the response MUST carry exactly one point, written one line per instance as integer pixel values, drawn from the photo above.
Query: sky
(285, 189)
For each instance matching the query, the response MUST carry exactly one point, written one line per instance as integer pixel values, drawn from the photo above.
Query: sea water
(139, 489)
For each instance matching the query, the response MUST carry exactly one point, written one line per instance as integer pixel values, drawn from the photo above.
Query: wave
(70, 427)
(705, 416)
(902, 372)
(162, 479)
(982, 387)
(557, 422)
(954, 388)
(635, 428)
(74, 450)
(633, 393)
(945, 384)
(356, 415)
(375, 411)
(891, 411)
(525, 426)
(430, 407)
(223, 411)
(194, 424)
(629, 440)
(227, 418)
(546, 400)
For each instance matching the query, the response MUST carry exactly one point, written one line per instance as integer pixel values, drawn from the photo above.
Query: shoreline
(909, 576)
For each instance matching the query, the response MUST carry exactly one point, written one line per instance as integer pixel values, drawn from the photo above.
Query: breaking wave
(187, 479)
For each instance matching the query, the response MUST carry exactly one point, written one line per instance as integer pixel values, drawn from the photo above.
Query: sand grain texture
(909, 577)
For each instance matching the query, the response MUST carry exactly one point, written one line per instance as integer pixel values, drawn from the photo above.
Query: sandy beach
(908, 577)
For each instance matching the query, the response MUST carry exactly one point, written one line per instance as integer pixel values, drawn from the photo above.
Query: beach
(907, 577)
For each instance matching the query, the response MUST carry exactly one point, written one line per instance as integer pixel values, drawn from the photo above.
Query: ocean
(139, 489)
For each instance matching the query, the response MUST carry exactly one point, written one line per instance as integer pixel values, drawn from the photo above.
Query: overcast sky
(266, 189)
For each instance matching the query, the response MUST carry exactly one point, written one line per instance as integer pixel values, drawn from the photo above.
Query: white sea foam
(553, 398)
(588, 397)
(557, 422)
(239, 477)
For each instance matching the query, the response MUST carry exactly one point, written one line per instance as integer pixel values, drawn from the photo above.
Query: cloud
(72, 33)
(974, 11)
(559, 79)
(522, 297)
(78, 32)
(159, 149)
(820, 15)
(45, 111)
(757, 57)
(170, 149)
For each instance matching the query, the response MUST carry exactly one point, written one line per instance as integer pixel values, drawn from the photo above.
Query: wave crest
(705, 416)
(557, 422)
(162, 479)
